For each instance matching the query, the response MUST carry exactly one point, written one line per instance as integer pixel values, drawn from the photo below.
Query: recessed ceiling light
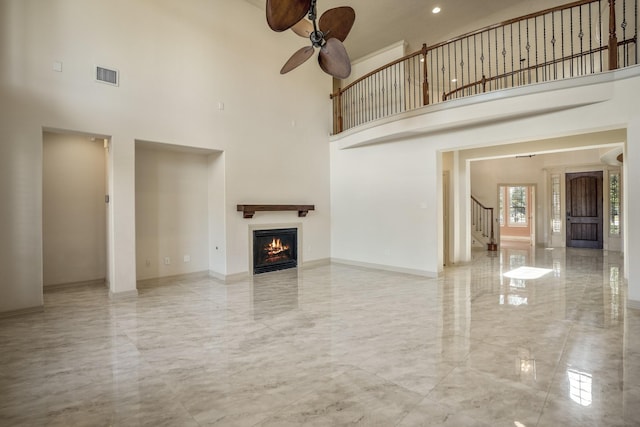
(454, 80)
(436, 9)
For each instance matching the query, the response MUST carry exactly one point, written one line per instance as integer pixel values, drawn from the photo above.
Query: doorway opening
(74, 212)
(516, 214)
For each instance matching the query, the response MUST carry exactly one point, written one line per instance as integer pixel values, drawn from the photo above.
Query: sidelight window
(614, 203)
(556, 207)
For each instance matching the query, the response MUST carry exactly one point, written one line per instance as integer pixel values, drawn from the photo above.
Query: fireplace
(275, 249)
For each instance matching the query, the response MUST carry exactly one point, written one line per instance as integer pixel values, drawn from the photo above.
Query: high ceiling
(380, 23)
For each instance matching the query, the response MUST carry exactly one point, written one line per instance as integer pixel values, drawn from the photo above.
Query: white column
(121, 238)
(631, 203)
(461, 209)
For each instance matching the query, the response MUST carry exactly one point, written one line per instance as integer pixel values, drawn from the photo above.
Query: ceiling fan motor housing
(317, 37)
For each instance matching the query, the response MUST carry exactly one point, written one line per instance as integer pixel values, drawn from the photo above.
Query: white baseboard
(116, 296)
(516, 238)
(413, 272)
(229, 278)
(192, 275)
(237, 277)
(316, 263)
(633, 304)
(58, 286)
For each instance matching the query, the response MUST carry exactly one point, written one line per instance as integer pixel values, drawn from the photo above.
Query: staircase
(482, 220)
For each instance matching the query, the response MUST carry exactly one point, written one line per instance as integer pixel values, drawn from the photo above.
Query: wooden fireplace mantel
(249, 210)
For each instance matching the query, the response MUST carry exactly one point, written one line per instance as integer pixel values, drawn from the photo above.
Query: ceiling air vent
(106, 75)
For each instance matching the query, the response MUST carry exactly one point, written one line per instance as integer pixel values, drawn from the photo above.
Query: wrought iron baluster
(591, 59)
(625, 48)
(553, 45)
(448, 67)
(437, 74)
(544, 47)
(571, 33)
(489, 57)
(367, 94)
(562, 41)
(528, 49)
(513, 65)
(581, 37)
(635, 33)
(455, 68)
(431, 62)
(520, 58)
(504, 59)
(482, 56)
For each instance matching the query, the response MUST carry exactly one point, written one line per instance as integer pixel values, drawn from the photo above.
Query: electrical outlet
(187, 258)
(167, 260)
(148, 263)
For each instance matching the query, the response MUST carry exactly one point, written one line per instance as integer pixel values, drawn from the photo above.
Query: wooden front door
(584, 210)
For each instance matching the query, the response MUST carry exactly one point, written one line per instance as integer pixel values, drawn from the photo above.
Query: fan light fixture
(326, 34)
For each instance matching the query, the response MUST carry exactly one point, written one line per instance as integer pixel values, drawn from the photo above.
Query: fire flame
(276, 247)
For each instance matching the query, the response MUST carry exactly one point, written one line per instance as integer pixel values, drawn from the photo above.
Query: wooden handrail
(484, 80)
(463, 36)
(479, 203)
(491, 246)
(374, 72)
(513, 21)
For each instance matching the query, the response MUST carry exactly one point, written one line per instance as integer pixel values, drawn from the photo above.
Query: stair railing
(482, 220)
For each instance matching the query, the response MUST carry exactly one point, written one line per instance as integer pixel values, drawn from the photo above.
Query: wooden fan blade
(337, 22)
(284, 14)
(297, 59)
(334, 60)
(303, 28)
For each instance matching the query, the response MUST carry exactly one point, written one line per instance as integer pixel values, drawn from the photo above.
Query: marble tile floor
(336, 345)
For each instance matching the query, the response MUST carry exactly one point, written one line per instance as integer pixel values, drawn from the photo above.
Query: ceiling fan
(327, 33)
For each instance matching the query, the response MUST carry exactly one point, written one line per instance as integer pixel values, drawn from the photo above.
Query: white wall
(217, 214)
(74, 211)
(381, 201)
(172, 212)
(177, 61)
(549, 117)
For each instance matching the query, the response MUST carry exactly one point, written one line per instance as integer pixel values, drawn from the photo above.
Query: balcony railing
(579, 38)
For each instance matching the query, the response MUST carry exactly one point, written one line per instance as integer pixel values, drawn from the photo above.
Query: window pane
(556, 218)
(614, 203)
(518, 205)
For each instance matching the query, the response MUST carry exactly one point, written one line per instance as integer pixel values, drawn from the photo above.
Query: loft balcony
(581, 38)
